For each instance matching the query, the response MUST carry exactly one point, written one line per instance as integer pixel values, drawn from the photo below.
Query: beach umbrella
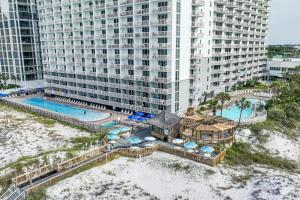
(3, 95)
(141, 119)
(134, 140)
(150, 138)
(140, 114)
(190, 145)
(130, 116)
(207, 149)
(133, 117)
(150, 116)
(112, 137)
(124, 129)
(177, 141)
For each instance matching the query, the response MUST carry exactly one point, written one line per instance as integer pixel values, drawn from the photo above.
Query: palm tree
(4, 78)
(243, 103)
(223, 97)
(213, 104)
(13, 77)
(205, 95)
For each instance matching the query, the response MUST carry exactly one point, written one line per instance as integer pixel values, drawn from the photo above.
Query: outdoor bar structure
(165, 126)
(207, 129)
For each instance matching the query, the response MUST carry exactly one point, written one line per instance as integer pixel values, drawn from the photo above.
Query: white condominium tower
(230, 44)
(150, 55)
(20, 55)
(125, 54)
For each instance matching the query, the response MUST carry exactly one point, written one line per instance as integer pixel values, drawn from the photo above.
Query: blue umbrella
(133, 117)
(190, 145)
(3, 95)
(130, 116)
(134, 140)
(142, 119)
(140, 114)
(207, 149)
(151, 116)
(112, 137)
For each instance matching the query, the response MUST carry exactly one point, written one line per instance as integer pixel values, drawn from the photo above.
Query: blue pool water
(109, 124)
(233, 112)
(71, 111)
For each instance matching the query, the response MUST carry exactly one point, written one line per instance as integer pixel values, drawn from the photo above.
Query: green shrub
(292, 110)
(242, 154)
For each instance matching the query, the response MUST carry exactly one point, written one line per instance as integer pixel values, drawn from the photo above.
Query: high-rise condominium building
(20, 55)
(230, 46)
(150, 55)
(124, 54)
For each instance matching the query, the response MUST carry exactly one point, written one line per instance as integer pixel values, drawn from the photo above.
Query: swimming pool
(233, 112)
(71, 111)
(109, 124)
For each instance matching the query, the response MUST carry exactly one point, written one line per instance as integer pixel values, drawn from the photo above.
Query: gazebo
(165, 126)
(208, 129)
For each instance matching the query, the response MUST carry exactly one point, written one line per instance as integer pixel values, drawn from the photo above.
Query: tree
(4, 78)
(13, 77)
(223, 97)
(243, 103)
(205, 96)
(213, 104)
(278, 87)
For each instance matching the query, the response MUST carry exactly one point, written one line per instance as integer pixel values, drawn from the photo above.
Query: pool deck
(113, 115)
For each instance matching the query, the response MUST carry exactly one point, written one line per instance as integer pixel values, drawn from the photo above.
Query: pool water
(233, 112)
(71, 111)
(109, 124)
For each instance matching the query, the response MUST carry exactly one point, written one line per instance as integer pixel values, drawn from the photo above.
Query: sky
(284, 24)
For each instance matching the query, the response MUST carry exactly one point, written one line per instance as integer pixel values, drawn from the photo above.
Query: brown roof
(208, 123)
(164, 120)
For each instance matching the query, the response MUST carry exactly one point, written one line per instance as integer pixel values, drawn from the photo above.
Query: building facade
(20, 54)
(150, 55)
(123, 54)
(277, 68)
(231, 46)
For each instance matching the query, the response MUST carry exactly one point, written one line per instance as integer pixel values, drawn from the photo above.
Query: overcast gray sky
(284, 22)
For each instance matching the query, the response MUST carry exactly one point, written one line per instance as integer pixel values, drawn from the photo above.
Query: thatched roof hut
(165, 125)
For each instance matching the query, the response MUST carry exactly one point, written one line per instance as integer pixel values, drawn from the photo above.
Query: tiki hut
(208, 129)
(165, 126)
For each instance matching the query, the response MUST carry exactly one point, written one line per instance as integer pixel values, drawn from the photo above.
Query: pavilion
(207, 129)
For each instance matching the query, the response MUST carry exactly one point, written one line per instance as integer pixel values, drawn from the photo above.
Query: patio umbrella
(133, 117)
(140, 114)
(112, 137)
(141, 119)
(125, 128)
(150, 138)
(177, 141)
(3, 95)
(134, 140)
(150, 116)
(207, 149)
(130, 116)
(190, 145)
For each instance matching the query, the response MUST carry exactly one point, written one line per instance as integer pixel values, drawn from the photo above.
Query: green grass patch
(47, 122)
(5, 182)
(243, 154)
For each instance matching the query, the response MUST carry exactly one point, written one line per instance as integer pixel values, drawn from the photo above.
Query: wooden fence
(53, 115)
(105, 157)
